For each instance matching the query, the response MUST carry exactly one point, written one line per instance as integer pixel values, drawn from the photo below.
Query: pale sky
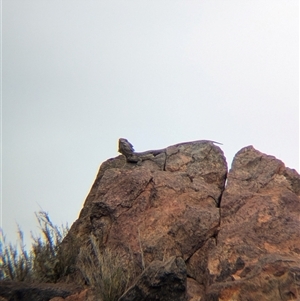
(78, 75)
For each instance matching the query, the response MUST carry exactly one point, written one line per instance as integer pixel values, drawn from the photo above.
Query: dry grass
(45, 262)
(15, 261)
(104, 270)
(50, 260)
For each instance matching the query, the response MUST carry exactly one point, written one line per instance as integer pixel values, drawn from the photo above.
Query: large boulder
(239, 239)
(163, 206)
(256, 255)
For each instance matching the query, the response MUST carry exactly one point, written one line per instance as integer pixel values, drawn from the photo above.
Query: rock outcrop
(187, 229)
(164, 206)
(238, 239)
(257, 251)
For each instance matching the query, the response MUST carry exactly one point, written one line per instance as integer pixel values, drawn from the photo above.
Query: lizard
(126, 149)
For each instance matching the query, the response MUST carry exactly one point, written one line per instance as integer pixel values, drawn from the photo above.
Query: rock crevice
(238, 239)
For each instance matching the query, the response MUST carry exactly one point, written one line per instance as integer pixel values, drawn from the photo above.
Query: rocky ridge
(238, 234)
(191, 230)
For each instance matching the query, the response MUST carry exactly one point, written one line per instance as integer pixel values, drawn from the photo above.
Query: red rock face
(239, 242)
(164, 206)
(257, 250)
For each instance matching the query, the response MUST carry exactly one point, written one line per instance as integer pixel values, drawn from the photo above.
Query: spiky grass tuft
(104, 270)
(47, 261)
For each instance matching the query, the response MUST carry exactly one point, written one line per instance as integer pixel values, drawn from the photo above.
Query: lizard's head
(125, 147)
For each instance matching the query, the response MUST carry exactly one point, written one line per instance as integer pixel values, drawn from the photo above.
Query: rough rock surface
(257, 252)
(165, 206)
(239, 241)
(165, 281)
(22, 291)
(84, 295)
